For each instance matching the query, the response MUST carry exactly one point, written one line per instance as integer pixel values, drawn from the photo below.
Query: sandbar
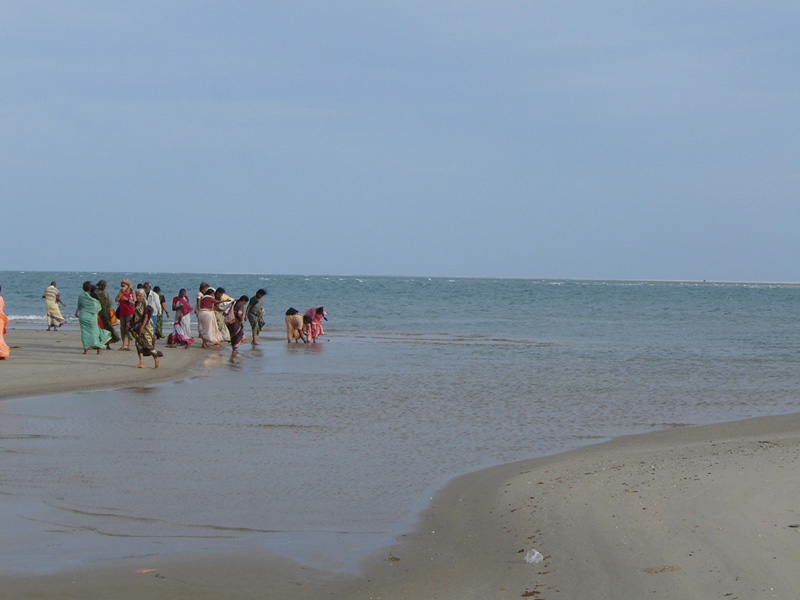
(50, 362)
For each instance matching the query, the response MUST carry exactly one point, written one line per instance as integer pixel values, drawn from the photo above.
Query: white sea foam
(28, 318)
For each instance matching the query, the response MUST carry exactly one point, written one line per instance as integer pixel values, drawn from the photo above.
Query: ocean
(328, 452)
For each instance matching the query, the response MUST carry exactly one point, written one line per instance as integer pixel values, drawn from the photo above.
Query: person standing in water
(200, 294)
(255, 314)
(234, 321)
(313, 322)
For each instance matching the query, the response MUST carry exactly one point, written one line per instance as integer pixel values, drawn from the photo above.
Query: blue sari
(91, 334)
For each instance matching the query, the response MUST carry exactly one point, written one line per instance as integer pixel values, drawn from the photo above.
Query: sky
(614, 140)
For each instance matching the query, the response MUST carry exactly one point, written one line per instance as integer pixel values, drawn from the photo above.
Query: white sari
(207, 324)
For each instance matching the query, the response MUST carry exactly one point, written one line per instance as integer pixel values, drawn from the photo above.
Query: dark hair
(181, 290)
(203, 287)
(219, 290)
(261, 292)
(87, 285)
(102, 284)
(244, 299)
(156, 289)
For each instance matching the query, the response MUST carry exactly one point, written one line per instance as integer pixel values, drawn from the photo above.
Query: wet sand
(695, 512)
(49, 362)
(52, 362)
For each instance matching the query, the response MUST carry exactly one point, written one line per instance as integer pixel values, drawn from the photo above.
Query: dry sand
(700, 512)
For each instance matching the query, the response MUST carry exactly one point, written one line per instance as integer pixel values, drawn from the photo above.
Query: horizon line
(542, 278)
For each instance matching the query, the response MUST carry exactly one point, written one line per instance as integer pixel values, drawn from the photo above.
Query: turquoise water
(327, 452)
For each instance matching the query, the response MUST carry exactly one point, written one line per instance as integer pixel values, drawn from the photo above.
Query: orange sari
(4, 349)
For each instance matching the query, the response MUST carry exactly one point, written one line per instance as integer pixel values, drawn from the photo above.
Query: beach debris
(392, 558)
(533, 557)
(146, 570)
(662, 569)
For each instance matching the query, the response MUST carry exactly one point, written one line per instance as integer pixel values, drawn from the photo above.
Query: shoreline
(694, 512)
(697, 512)
(52, 362)
(703, 511)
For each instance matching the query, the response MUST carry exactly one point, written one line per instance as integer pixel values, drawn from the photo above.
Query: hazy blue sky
(521, 139)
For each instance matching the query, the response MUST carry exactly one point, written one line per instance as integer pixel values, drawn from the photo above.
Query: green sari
(91, 334)
(254, 313)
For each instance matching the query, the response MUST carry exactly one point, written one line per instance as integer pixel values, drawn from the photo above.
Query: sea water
(326, 452)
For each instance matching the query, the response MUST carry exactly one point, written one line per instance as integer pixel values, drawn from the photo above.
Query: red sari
(182, 331)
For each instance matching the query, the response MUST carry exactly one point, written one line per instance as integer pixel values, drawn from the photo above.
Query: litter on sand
(533, 557)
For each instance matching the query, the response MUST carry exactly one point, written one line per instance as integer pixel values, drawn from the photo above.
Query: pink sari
(314, 327)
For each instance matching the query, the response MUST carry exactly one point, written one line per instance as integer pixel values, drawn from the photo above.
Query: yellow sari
(54, 316)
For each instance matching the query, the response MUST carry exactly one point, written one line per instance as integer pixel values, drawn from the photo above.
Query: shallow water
(327, 452)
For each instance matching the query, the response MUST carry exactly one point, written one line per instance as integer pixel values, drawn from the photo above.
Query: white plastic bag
(533, 557)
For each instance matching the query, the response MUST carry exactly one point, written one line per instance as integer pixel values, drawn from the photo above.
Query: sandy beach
(695, 512)
(690, 512)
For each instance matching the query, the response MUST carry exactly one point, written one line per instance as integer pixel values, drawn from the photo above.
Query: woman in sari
(52, 298)
(234, 320)
(87, 312)
(182, 331)
(209, 330)
(105, 312)
(255, 314)
(314, 323)
(201, 292)
(126, 308)
(141, 327)
(224, 302)
(4, 349)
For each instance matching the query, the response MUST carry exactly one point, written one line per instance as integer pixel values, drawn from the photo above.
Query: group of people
(221, 318)
(134, 314)
(307, 327)
(140, 312)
